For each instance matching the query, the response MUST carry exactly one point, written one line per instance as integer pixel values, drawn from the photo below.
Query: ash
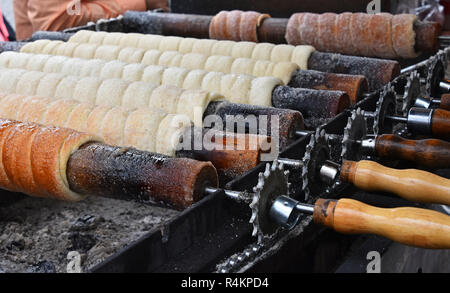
(36, 235)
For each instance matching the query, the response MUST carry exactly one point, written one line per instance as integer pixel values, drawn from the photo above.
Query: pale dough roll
(261, 91)
(110, 39)
(133, 72)
(66, 87)
(67, 49)
(149, 42)
(131, 55)
(243, 49)
(300, 56)
(54, 64)
(194, 79)
(86, 89)
(9, 80)
(137, 95)
(28, 83)
(170, 58)
(58, 111)
(212, 82)
(219, 63)
(226, 83)
(186, 45)
(153, 74)
(113, 125)
(15, 62)
(284, 71)
(112, 69)
(85, 36)
(169, 43)
(141, 129)
(50, 47)
(193, 103)
(174, 76)
(48, 84)
(151, 57)
(222, 48)
(240, 89)
(85, 51)
(193, 61)
(37, 62)
(203, 46)
(165, 98)
(169, 132)
(263, 68)
(78, 118)
(243, 66)
(34, 47)
(95, 38)
(6, 57)
(107, 52)
(91, 68)
(111, 91)
(263, 51)
(128, 40)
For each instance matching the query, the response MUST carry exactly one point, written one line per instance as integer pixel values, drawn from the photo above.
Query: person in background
(4, 34)
(56, 15)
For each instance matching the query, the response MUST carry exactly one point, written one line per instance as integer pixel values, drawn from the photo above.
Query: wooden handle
(410, 226)
(440, 124)
(432, 153)
(411, 184)
(445, 102)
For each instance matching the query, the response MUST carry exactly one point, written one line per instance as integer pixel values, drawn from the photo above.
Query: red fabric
(3, 30)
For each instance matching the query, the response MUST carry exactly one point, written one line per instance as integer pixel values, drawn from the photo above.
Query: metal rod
(305, 208)
(235, 195)
(398, 119)
(436, 101)
(291, 163)
(444, 86)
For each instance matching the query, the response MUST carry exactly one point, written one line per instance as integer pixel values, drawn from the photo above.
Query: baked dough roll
(35, 158)
(381, 35)
(404, 36)
(326, 36)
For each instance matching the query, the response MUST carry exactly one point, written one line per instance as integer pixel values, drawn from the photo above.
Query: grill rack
(213, 230)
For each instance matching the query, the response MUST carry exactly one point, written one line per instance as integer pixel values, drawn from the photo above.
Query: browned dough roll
(34, 158)
(326, 36)
(404, 36)
(236, 25)
(373, 35)
(381, 34)
(232, 25)
(292, 34)
(343, 37)
(309, 29)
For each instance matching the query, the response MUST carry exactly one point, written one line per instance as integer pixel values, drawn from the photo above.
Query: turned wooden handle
(432, 153)
(440, 124)
(411, 184)
(410, 226)
(445, 102)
